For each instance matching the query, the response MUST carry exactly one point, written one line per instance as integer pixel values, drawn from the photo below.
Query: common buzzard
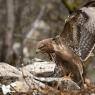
(75, 44)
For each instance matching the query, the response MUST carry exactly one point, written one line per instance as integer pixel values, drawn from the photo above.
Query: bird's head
(45, 46)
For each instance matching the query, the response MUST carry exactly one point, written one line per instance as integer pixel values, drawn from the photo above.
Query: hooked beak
(37, 51)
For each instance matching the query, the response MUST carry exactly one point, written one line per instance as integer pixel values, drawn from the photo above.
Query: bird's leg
(81, 81)
(67, 76)
(50, 56)
(64, 78)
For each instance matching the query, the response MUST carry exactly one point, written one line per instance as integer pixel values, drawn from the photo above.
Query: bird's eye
(41, 47)
(54, 39)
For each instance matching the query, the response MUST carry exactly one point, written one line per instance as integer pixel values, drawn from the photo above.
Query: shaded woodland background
(25, 22)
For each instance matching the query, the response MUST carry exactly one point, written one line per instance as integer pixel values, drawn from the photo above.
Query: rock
(8, 73)
(43, 69)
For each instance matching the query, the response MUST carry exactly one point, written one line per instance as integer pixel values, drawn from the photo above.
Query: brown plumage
(63, 56)
(75, 44)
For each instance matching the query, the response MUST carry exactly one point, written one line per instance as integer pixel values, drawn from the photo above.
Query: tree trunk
(8, 35)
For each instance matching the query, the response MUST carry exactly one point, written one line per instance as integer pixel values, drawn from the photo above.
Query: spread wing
(71, 33)
(79, 32)
(86, 44)
(68, 36)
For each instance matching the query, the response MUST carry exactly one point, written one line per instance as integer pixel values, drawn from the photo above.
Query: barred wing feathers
(79, 32)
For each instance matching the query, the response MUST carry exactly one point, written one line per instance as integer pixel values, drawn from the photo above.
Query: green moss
(72, 4)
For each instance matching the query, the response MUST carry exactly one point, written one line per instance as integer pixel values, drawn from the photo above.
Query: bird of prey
(63, 57)
(75, 44)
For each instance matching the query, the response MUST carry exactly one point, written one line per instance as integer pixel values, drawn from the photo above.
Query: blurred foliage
(72, 5)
